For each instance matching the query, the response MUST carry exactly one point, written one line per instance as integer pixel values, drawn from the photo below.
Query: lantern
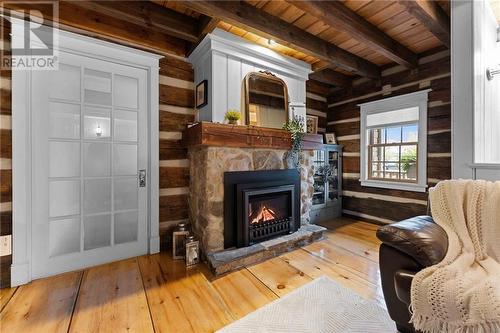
(178, 240)
(192, 251)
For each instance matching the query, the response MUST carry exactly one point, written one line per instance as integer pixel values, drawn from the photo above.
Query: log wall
(317, 103)
(5, 160)
(385, 205)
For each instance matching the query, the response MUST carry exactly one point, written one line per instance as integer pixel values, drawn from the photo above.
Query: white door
(89, 122)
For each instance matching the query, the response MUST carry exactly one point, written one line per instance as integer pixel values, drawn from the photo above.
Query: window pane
(65, 83)
(409, 162)
(64, 159)
(126, 91)
(393, 134)
(97, 87)
(377, 136)
(410, 133)
(96, 123)
(64, 121)
(377, 170)
(391, 170)
(392, 153)
(409, 153)
(97, 231)
(377, 154)
(409, 171)
(64, 236)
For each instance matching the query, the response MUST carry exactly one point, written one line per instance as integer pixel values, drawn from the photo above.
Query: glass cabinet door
(319, 182)
(333, 175)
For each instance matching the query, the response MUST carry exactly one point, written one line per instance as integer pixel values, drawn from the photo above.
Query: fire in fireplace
(269, 212)
(260, 205)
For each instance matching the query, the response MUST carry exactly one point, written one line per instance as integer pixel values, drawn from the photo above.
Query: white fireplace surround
(224, 60)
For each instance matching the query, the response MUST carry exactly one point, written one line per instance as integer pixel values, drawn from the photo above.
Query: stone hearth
(229, 260)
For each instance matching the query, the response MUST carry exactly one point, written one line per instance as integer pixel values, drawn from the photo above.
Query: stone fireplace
(241, 174)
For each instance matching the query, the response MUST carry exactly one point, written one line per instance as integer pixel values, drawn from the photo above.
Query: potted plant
(296, 129)
(232, 116)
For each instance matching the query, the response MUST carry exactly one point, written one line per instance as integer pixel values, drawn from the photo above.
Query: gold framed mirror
(266, 100)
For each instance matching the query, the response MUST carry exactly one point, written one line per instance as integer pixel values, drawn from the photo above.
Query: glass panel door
(92, 116)
(319, 179)
(333, 175)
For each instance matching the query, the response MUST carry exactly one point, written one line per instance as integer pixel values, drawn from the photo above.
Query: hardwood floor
(157, 294)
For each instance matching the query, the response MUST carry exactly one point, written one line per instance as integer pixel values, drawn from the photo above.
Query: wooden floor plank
(181, 300)
(315, 267)
(112, 299)
(354, 245)
(364, 267)
(43, 305)
(243, 292)
(5, 296)
(279, 276)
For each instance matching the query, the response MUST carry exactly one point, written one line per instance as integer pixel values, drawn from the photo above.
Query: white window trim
(21, 147)
(419, 99)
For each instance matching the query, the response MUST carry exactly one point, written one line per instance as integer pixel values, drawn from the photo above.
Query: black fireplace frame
(235, 185)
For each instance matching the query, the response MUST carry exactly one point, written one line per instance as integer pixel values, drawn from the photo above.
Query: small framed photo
(312, 124)
(202, 94)
(330, 139)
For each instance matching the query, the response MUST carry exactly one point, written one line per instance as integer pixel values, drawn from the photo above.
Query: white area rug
(321, 305)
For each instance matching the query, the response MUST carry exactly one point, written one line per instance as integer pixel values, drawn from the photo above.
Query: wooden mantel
(237, 136)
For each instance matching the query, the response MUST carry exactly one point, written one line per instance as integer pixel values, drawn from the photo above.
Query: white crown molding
(230, 45)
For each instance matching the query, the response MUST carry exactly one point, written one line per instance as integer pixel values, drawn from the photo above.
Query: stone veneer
(206, 190)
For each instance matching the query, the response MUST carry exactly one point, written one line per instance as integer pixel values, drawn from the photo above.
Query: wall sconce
(98, 131)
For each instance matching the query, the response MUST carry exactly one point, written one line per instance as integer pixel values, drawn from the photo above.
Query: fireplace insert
(260, 205)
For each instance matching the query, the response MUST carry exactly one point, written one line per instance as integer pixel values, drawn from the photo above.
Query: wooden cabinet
(327, 196)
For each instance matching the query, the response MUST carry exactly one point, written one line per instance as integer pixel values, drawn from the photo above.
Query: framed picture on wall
(312, 124)
(330, 139)
(202, 94)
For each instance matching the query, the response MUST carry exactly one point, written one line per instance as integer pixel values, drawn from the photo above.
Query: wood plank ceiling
(339, 39)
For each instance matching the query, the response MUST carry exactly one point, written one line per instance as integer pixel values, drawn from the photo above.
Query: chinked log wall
(5, 164)
(383, 205)
(176, 109)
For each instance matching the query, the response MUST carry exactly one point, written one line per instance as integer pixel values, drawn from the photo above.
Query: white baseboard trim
(154, 244)
(19, 274)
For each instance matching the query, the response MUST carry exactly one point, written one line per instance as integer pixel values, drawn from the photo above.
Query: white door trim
(21, 143)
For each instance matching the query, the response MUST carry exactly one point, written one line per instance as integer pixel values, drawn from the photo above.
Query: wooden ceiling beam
(340, 17)
(148, 15)
(266, 25)
(331, 77)
(432, 16)
(93, 23)
(206, 25)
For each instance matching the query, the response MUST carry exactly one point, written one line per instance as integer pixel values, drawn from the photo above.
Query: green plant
(408, 159)
(232, 115)
(296, 129)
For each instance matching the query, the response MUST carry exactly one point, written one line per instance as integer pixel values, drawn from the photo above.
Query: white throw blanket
(462, 292)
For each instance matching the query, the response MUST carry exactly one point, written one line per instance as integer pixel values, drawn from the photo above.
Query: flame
(265, 214)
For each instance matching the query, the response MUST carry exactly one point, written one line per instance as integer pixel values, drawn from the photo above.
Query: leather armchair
(407, 247)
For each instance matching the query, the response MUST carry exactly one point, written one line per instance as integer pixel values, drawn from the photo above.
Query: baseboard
(154, 244)
(19, 274)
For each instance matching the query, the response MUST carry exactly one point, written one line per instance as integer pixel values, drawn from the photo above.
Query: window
(394, 141)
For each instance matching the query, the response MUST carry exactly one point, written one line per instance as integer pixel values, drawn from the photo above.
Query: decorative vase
(233, 122)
